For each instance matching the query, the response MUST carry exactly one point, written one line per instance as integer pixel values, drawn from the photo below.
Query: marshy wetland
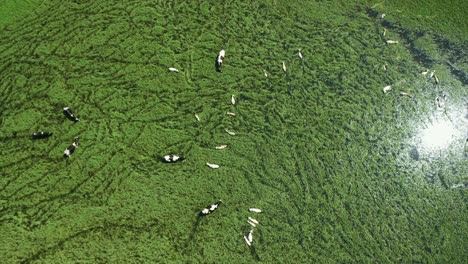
(343, 172)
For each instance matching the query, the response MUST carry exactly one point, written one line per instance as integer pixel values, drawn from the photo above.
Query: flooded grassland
(342, 171)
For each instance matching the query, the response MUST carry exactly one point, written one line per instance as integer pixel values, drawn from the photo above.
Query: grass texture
(334, 163)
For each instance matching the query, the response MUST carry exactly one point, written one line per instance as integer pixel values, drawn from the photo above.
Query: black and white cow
(71, 148)
(210, 208)
(171, 158)
(69, 114)
(219, 61)
(41, 135)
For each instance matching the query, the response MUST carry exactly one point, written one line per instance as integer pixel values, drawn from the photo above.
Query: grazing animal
(252, 223)
(41, 135)
(300, 54)
(233, 100)
(69, 114)
(171, 158)
(250, 236)
(173, 69)
(71, 148)
(210, 208)
(247, 241)
(459, 185)
(253, 220)
(219, 60)
(255, 210)
(392, 41)
(197, 117)
(221, 147)
(406, 94)
(213, 166)
(284, 67)
(387, 88)
(230, 132)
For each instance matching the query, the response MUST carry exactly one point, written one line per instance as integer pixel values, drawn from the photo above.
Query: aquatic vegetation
(335, 165)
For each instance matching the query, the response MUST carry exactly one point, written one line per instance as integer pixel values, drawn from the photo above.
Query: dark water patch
(414, 154)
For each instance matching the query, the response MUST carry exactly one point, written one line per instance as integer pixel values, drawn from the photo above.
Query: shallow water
(342, 171)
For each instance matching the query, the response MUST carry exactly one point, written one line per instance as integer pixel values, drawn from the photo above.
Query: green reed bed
(333, 162)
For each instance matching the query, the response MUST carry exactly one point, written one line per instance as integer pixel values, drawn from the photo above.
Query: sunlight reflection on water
(438, 135)
(444, 131)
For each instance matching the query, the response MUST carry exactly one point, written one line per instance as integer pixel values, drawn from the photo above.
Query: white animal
(458, 185)
(384, 32)
(233, 100)
(284, 66)
(392, 41)
(436, 79)
(432, 74)
(300, 54)
(230, 133)
(406, 94)
(247, 241)
(221, 147)
(197, 117)
(265, 73)
(382, 16)
(173, 69)
(253, 220)
(385, 67)
(255, 210)
(252, 223)
(213, 166)
(231, 113)
(250, 236)
(425, 72)
(387, 88)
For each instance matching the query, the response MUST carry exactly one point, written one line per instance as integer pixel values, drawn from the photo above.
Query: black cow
(41, 135)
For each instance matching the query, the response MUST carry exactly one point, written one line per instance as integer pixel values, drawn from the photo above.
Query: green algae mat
(342, 171)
